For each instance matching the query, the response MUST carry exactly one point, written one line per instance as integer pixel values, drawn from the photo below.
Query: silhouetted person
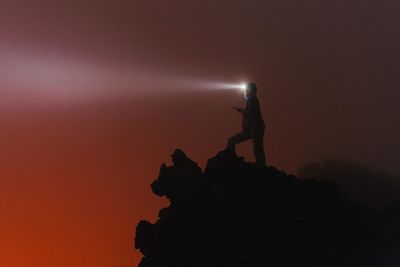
(253, 126)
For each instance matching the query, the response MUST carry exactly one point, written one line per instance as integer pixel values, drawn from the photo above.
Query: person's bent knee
(231, 143)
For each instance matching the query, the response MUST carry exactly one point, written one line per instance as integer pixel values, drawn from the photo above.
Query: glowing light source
(48, 77)
(243, 86)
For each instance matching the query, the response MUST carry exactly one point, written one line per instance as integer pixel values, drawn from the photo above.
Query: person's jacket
(252, 118)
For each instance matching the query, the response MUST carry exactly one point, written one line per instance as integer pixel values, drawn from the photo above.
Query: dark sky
(97, 94)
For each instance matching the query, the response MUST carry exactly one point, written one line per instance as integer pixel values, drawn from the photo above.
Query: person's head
(251, 89)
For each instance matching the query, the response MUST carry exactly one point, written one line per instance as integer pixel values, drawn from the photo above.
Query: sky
(95, 95)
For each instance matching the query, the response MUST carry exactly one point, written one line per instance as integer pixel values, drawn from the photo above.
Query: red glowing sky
(95, 95)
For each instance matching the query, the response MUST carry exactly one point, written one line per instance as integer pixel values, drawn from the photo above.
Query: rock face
(235, 214)
(371, 188)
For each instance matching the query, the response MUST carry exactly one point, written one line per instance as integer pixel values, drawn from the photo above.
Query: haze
(95, 95)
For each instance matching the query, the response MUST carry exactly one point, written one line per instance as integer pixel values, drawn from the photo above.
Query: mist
(45, 78)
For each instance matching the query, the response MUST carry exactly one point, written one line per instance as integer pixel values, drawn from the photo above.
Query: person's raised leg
(238, 138)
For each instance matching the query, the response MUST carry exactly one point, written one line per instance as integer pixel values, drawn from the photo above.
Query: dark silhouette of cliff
(236, 214)
(368, 187)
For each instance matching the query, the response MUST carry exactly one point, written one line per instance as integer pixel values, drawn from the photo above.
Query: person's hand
(238, 109)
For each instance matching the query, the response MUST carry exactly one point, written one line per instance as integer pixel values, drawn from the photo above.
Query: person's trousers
(257, 136)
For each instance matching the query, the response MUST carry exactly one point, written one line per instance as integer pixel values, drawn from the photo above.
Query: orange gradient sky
(95, 95)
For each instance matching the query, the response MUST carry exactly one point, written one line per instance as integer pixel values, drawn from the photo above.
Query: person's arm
(252, 108)
(240, 110)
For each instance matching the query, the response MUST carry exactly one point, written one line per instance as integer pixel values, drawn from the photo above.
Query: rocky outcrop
(236, 214)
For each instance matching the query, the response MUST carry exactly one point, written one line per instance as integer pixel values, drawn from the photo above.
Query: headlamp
(243, 86)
